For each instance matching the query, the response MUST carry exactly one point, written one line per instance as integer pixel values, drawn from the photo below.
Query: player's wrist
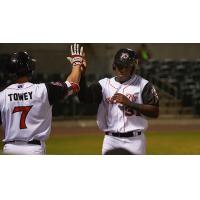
(77, 65)
(73, 87)
(134, 106)
(77, 60)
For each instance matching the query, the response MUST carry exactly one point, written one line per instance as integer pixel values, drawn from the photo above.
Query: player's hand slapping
(77, 57)
(121, 99)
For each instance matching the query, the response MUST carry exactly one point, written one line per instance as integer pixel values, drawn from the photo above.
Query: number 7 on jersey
(24, 112)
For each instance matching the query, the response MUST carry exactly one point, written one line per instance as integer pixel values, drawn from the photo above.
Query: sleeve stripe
(68, 84)
(69, 88)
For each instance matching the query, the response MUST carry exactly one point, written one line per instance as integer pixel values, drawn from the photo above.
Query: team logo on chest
(131, 97)
(125, 109)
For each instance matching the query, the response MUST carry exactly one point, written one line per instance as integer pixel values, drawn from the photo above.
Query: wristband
(73, 88)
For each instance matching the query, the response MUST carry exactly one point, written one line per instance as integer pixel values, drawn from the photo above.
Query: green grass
(158, 143)
(75, 145)
(173, 143)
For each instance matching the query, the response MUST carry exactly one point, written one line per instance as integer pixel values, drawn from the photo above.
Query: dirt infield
(90, 127)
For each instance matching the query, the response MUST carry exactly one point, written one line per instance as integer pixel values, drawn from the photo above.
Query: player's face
(123, 74)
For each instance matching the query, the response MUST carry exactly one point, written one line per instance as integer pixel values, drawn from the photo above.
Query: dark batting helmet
(125, 58)
(21, 63)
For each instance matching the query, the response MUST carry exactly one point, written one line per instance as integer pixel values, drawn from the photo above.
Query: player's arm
(150, 106)
(58, 90)
(91, 94)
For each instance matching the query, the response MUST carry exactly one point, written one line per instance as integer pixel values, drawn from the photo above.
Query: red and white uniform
(26, 115)
(116, 119)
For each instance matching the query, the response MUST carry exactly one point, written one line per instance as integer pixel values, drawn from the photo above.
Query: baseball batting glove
(76, 57)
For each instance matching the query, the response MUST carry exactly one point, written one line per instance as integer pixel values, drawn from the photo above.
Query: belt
(126, 134)
(36, 142)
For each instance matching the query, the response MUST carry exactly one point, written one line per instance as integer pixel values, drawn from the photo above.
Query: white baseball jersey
(26, 110)
(116, 117)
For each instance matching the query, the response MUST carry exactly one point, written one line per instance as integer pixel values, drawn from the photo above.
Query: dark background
(173, 68)
(51, 56)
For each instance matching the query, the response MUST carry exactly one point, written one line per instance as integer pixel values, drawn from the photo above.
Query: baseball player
(26, 108)
(124, 103)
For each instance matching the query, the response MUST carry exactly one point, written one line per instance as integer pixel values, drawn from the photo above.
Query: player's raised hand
(120, 98)
(76, 57)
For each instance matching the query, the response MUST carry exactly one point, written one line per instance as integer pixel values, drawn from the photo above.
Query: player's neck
(22, 79)
(121, 81)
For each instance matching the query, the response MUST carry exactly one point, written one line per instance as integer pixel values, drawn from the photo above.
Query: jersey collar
(20, 85)
(132, 79)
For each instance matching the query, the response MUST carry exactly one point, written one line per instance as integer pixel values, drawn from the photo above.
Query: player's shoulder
(103, 81)
(8, 88)
(41, 87)
(25, 86)
(19, 86)
(140, 81)
(2, 94)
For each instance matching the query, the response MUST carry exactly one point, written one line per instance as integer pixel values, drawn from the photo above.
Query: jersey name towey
(27, 112)
(116, 117)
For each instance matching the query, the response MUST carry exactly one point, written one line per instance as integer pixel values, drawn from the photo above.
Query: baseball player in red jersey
(124, 102)
(26, 108)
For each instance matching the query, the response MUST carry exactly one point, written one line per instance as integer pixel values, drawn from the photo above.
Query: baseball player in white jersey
(26, 108)
(124, 102)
